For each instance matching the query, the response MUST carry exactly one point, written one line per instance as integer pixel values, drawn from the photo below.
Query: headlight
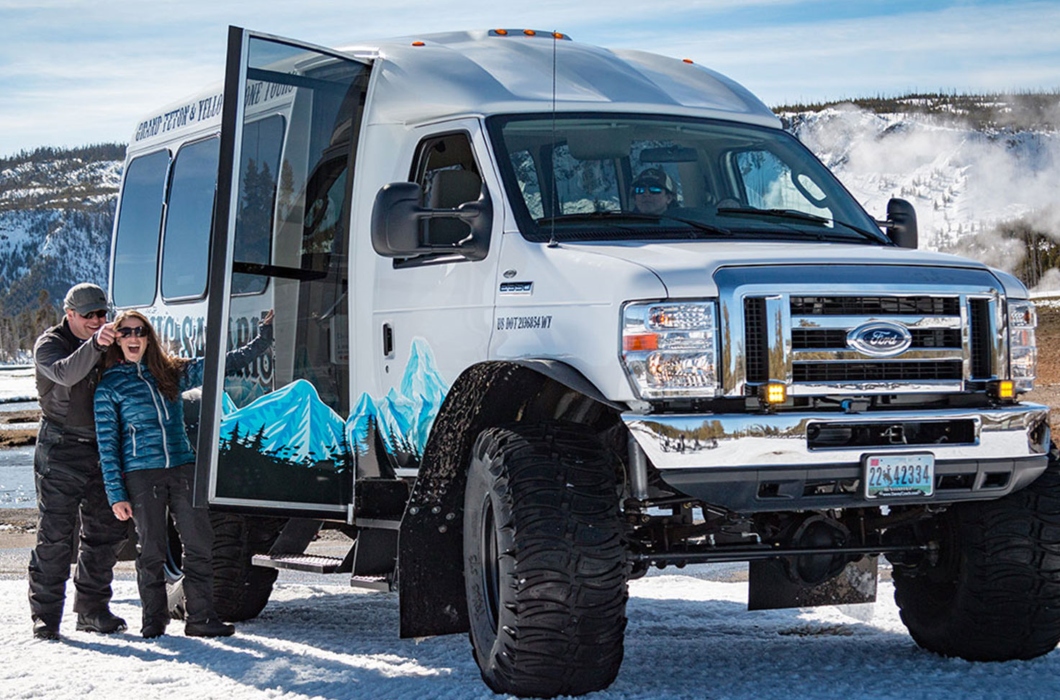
(1022, 348)
(669, 348)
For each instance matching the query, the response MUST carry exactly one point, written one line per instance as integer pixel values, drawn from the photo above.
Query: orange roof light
(553, 34)
(688, 60)
(418, 43)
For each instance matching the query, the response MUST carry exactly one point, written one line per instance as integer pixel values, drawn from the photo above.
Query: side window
(446, 170)
(186, 243)
(135, 263)
(259, 181)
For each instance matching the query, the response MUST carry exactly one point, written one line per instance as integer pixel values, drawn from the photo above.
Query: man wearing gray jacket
(67, 473)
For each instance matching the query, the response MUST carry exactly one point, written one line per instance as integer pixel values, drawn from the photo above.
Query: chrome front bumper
(753, 463)
(704, 441)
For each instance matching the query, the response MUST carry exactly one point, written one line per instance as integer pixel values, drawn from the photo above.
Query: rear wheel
(544, 560)
(240, 589)
(994, 594)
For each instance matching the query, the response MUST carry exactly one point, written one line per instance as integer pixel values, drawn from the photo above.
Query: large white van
(516, 385)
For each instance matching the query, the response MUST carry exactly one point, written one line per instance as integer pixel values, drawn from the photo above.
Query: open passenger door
(272, 438)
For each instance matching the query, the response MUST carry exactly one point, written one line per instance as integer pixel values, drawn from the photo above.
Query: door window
(446, 170)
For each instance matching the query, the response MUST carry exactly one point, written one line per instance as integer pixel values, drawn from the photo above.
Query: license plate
(897, 476)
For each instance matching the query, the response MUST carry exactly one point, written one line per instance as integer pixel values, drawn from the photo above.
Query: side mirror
(901, 223)
(397, 231)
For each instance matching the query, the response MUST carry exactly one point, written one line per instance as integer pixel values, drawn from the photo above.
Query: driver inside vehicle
(652, 192)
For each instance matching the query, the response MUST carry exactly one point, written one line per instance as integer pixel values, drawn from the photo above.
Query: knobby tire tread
(996, 594)
(563, 600)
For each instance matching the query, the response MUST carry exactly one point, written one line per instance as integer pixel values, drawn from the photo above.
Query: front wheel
(994, 594)
(545, 564)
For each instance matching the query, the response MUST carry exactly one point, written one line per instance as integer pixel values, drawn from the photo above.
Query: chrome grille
(866, 306)
(803, 339)
(876, 371)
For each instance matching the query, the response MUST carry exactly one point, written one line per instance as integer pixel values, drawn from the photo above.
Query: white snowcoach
(515, 392)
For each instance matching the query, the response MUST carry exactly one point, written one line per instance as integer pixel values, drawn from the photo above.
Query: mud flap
(771, 588)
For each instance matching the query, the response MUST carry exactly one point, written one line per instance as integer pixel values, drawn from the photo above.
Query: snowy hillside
(963, 181)
(56, 216)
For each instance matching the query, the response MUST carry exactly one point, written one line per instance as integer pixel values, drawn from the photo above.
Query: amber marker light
(418, 43)
(643, 342)
(774, 393)
(1004, 389)
(688, 60)
(501, 32)
(529, 32)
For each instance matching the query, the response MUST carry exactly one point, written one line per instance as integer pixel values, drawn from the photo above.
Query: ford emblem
(880, 339)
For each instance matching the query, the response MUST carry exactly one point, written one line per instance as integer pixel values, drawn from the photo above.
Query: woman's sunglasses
(138, 331)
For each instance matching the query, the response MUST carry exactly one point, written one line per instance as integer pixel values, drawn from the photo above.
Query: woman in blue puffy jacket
(148, 465)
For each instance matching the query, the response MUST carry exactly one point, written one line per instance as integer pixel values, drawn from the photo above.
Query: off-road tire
(240, 589)
(545, 562)
(995, 593)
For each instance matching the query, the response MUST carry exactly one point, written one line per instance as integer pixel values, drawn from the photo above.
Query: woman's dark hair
(165, 367)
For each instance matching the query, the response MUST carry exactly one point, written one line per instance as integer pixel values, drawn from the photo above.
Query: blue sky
(74, 72)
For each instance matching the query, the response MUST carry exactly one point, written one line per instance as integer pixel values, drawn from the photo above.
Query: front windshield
(620, 177)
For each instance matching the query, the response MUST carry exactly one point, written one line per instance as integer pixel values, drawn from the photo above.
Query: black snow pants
(152, 492)
(69, 481)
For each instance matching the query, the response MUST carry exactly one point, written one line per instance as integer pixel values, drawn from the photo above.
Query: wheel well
(431, 541)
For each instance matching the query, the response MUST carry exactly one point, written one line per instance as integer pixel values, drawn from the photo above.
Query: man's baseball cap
(654, 177)
(85, 298)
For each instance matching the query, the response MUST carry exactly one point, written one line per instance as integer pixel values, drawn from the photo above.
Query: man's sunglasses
(138, 331)
(641, 189)
(94, 314)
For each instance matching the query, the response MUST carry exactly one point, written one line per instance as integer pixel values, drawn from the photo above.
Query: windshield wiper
(699, 225)
(801, 216)
(608, 216)
(776, 213)
(616, 217)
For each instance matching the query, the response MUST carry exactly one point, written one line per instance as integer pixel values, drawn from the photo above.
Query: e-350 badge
(517, 287)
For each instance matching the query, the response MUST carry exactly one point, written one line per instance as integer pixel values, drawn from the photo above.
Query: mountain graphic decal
(404, 416)
(286, 446)
(289, 446)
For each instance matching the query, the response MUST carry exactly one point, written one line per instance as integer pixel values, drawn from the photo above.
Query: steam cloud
(963, 182)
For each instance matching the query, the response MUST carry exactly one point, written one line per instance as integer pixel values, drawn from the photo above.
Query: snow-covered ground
(17, 382)
(689, 636)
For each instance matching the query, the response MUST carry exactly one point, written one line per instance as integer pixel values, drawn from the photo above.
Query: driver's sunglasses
(138, 331)
(102, 315)
(641, 189)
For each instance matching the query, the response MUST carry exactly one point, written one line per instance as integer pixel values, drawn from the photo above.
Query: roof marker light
(688, 60)
(529, 32)
(418, 43)
(501, 32)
